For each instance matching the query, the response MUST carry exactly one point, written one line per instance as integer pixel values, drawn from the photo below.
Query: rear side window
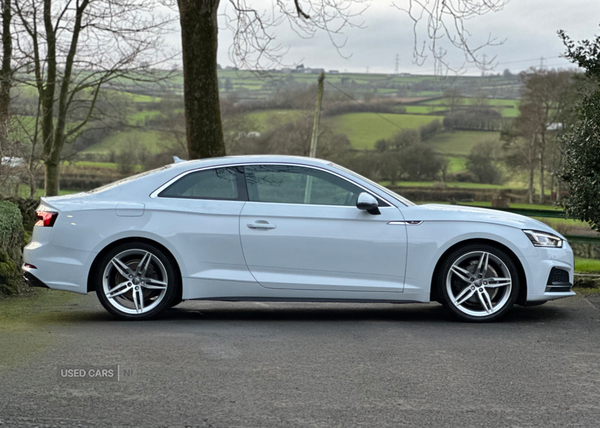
(218, 183)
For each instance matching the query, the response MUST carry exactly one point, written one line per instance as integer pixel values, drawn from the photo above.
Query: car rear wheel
(478, 283)
(135, 281)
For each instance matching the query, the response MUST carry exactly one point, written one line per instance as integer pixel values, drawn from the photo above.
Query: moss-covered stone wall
(11, 244)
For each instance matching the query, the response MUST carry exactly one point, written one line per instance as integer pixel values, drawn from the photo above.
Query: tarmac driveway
(216, 364)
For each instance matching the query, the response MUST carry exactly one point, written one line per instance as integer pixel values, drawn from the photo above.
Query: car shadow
(302, 312)
(429, 313)
(210, 311)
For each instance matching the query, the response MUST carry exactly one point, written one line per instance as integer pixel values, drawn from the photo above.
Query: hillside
(368, 108)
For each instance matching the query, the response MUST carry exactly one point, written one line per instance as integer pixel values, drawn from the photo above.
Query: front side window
(217, 183)
(298, 185)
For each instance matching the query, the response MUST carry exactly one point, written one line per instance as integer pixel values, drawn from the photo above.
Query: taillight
(45, 218)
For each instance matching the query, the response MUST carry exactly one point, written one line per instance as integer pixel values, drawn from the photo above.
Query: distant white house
(251, 134)
(314, 70)
(12, 162)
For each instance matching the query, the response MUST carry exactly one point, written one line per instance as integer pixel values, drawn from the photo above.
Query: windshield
(378, 186)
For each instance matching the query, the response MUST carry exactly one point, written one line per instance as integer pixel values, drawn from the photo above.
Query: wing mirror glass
(368, 203)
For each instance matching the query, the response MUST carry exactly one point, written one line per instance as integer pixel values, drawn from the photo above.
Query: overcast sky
(528, 27)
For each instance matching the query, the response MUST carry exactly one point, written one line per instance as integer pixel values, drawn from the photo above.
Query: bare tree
(454, 98)
(481, 100)
(444, 23)
(73, 48)
(522, 145)
(255, 44)
(545, 99)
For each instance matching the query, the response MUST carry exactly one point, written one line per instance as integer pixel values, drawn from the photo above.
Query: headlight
(543, 239)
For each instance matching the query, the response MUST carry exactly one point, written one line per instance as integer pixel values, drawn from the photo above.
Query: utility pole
(484, 65)
(315, 137)
(397, 69)
(541, 63)
(440, 66)
(315, 133)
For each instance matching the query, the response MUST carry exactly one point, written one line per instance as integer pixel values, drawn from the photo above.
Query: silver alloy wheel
(479, 283)
(135, 281)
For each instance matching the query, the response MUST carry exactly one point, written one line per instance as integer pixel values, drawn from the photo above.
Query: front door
(301, 230)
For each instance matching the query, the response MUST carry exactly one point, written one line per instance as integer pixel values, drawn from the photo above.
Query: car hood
(436, 212)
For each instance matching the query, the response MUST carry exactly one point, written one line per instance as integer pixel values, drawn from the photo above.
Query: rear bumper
(32, 281)
(57, 268)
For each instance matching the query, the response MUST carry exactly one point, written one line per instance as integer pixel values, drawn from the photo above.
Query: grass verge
(23, 325)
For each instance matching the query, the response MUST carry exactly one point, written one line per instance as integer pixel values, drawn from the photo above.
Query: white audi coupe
(280, 228)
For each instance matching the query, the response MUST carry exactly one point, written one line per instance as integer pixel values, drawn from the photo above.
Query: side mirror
(368, 203)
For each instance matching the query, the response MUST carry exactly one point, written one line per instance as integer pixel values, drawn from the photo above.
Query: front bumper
(552, 274)
(558, 281)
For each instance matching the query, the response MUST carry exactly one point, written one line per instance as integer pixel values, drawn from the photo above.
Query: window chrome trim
(155, 193)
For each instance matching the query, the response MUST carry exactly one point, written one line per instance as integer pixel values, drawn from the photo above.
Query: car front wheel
(135, 281)
(478, 283)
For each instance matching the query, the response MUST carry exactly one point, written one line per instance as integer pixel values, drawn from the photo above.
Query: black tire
(538, 303)
(175, 302)
(478, 283)
(136, 281)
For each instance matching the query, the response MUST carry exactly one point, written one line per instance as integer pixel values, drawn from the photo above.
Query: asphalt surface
(215, 364)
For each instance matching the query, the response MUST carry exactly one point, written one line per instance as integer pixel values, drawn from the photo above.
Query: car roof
(150, 180)
(227, 160)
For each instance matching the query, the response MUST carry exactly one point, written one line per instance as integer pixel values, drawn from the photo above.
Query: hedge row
(448, 194)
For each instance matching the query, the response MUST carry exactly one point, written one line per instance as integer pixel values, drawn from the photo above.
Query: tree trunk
(58, 139)
(52, 168)
(198, 20)
(49, 89)
(531, 158)
(54, 136)
(47, 100)
(5, 73)
(542, 150)
(530, 189)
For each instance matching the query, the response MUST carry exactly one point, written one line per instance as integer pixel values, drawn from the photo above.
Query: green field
(461, 142)
(24, 192)
(587, 265)
(423, 109)
(140, 118)
(364, 129)
(266, 120)
(507, 108)
(152, 141)
(456, 164)
(85, 164)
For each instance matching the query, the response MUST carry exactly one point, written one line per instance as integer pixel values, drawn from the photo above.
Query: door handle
(261, 224)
